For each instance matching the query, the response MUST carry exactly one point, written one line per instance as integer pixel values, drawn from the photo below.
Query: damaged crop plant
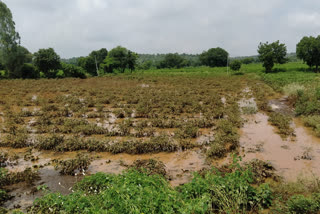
(151, 113)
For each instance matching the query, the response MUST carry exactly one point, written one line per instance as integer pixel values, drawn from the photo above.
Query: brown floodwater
(293, 157)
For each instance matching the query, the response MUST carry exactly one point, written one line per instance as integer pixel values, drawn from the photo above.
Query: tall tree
(88, 64)
(93, 61)
(12, 55)
(47, 61)
(308, 49)
(15, 60)
(271, 53)
(132, 60)
(9, 38)
(214, 57)
(119, 59)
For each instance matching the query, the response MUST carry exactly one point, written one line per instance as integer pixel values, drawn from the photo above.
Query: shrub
(302, 204)
(292, 89)
(235, 65)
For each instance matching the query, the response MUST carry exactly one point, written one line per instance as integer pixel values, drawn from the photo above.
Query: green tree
(12, 55)
(93, 61)
(235, 65)
(271, 53)
(9, 38)
(88, 64)
(119, 59)
(308, 49)
(214, 57)
(15, 59)
(247, 60)
(1, 66)
(173, 60)
(145, 65)
(47, 61)
(99, 55)
(28, 71)
(132, 60)
(70, 70)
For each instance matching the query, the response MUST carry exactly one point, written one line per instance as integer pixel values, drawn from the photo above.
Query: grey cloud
(75, 27)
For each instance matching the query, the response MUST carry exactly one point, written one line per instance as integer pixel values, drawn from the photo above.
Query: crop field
(188, 140)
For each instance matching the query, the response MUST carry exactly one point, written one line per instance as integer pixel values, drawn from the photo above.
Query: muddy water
(290, 157)
(179, 166)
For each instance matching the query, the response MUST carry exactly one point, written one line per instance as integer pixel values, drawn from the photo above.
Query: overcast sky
(76, 27)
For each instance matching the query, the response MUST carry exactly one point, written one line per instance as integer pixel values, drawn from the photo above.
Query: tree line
(17, 62)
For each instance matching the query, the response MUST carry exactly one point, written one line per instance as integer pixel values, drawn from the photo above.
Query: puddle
(290, 158)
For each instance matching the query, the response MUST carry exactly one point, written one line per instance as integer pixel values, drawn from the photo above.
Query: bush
(302, 204)
(60, 74)
(73, 71)
(292, 89)
(235, 65)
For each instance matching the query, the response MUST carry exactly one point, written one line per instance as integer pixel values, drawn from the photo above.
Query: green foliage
(8, 35)
(235, 65)
(308, 49)
(88, 64)
(47, 61)
(247, 60)
(303, 204)
(272, 53)
(92, 62)
(214, 57)
(173, 61)
(119, 59)
(28, 71)
(73, 71)
(307, 103)
(14, 61)
(12, 55)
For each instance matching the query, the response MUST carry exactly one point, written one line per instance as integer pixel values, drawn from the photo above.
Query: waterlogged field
(167, 141)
